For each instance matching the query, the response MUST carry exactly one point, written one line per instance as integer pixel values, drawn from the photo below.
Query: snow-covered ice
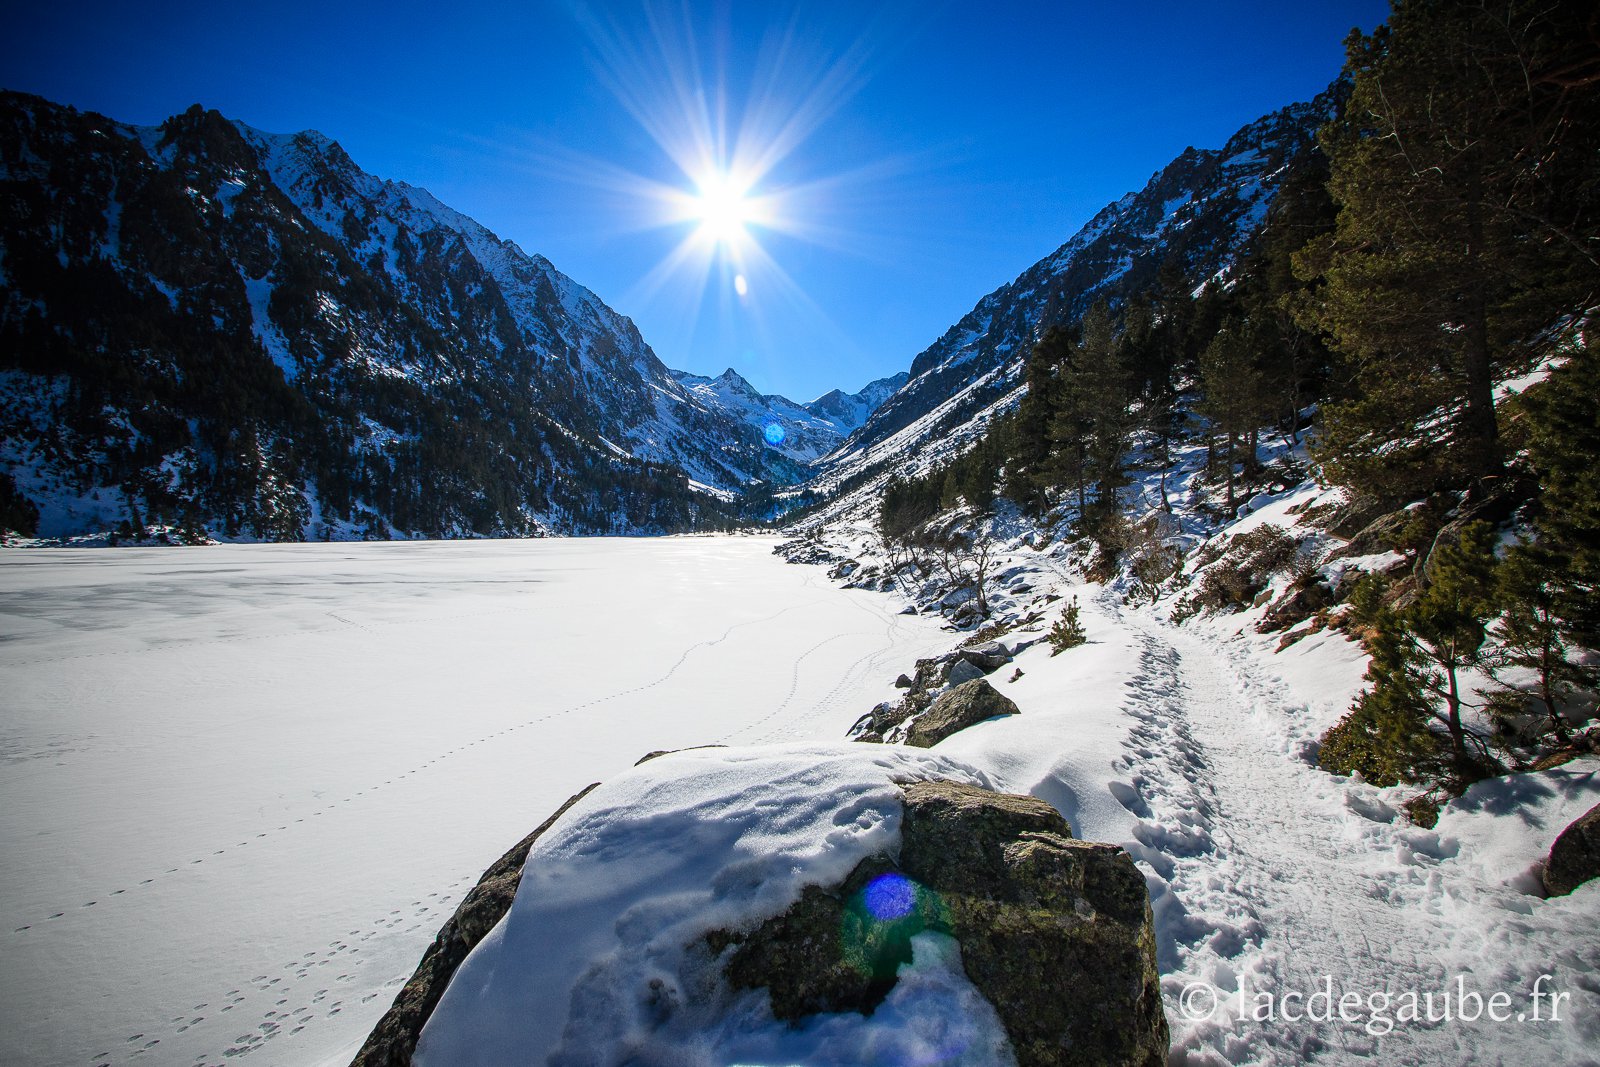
(242, 786)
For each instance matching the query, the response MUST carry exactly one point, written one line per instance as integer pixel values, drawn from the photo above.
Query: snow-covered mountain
(223, 329)
(803, 432)
(848, 411)
(280, 345)
(1198, 213)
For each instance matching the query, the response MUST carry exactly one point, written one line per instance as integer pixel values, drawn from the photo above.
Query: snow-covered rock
(603, 957)
(967, 703)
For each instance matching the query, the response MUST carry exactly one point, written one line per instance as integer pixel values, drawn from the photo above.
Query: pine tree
(1564, 439)
(1418, 654)
(1529, 633)
(1067, 631)
(1028, 474)
(1448, 622)
(1465, 171)
(1101, 379)
(1233, 385)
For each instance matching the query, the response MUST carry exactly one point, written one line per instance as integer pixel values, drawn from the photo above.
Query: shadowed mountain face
(208, 325)
(1199, 213)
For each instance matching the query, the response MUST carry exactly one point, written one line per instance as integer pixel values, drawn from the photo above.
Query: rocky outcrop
(1303, 599)
(989, 656)
(1575, 857)
(965, 705)
(394, 1039)
(963, 671)
(1055, 933)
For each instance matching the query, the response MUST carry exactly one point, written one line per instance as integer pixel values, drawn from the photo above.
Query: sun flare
(732, 181)
(724, 209)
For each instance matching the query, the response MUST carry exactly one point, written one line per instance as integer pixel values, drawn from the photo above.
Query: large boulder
(963, 671)
(990, 655)
(1575, 857)
(963, 706)
(1055, 933)
(392, 1042)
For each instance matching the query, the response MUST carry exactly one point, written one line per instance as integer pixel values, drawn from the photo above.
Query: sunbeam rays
(733, 185)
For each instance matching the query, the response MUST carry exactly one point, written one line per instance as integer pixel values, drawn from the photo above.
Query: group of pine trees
(1444, 232)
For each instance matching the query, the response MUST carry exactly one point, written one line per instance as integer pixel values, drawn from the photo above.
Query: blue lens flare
(774, 434)
(890, 896)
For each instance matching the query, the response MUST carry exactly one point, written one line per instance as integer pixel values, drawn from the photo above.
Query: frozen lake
(242, 786)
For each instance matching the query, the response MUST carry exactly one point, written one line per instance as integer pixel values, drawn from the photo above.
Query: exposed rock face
(1575, 857)
(963, 671)
(394, 1039)
(1055, 933)
(990, 656)
(965, 705)
(827, 953)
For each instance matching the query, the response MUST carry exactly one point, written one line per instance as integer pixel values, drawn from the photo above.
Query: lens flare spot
(774, 433)
(741, 286)
(890, 896)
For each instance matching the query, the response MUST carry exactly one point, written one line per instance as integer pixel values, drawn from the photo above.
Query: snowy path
(1267, 864)
(1279, 877)
(240, 787)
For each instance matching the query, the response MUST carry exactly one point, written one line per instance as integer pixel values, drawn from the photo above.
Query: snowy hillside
(1196, 214)
(1191, 740)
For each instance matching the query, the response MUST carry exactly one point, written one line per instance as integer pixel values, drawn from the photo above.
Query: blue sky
(907, 158)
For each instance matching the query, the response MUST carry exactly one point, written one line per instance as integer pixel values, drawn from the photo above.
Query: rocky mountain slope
(215, 328)
(1198, 214)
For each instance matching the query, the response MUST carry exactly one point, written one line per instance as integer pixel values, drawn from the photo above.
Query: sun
(731, 178)
(724, 209)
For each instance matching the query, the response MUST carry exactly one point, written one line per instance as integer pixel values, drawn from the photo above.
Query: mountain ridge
(388, 318)
(282, 346)
(1199, 212)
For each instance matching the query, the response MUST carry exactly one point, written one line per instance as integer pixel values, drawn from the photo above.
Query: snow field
(242, 786)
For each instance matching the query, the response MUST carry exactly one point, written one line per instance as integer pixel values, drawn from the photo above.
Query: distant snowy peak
(786, 427)
(1200, 211)
(804, 433)
(847, 411)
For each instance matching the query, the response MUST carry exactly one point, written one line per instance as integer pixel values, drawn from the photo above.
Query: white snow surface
(292, 760)
(241, 786)
(601, 959)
